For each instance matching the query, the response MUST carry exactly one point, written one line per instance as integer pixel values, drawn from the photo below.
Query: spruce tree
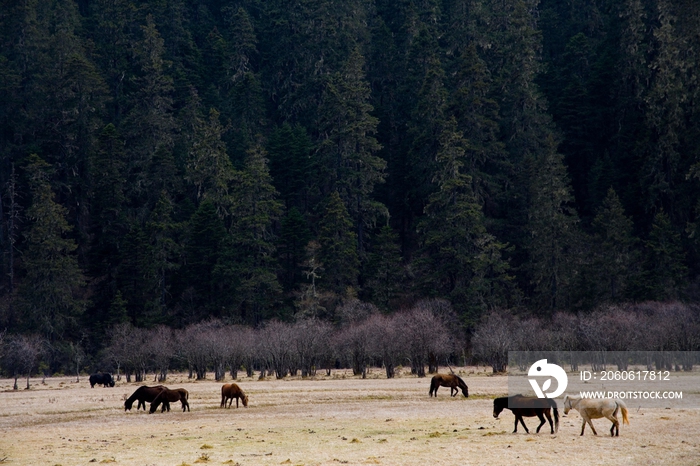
(338, 252)
(614, 251)
(346, 150)
(50, 291)
(248, 266)
(384, 273)
(454, 262)
(552, 229)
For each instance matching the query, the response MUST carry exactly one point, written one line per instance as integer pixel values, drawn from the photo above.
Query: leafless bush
(276, 345)
(565, 336)
(387, 342)
(240, 342)
(311, 338)
(427, 336)
(354, 311)
(21, 355)
(197, 348)
(355, 342)
(160, 346)
(493, 338)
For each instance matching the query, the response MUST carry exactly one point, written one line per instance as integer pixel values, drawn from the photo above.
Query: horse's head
(128, 404)
(497, 407)
(465, 391)
(567, 404)
(245, 400)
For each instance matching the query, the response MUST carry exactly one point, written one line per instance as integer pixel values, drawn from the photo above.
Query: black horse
(143, 395)
(525, 406)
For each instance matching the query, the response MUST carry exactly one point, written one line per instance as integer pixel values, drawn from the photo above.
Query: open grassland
(320, 421)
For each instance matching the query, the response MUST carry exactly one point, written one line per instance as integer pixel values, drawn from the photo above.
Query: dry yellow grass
(321, 421)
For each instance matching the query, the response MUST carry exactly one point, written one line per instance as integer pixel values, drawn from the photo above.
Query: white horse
(595, 409)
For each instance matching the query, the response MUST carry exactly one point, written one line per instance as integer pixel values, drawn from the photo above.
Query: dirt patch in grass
(321, 421)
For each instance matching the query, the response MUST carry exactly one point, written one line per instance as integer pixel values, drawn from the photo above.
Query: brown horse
(166, 396)
(528, 407)
(230, 391)
(448, 380)
(143, 395)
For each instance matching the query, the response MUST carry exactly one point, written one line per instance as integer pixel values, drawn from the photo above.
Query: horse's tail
(623, 408)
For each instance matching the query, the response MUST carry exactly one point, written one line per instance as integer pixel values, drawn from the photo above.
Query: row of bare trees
(362, 337)
(420, 337)
(645, 327)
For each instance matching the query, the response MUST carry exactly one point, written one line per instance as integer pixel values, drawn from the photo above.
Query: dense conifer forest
(169, 162)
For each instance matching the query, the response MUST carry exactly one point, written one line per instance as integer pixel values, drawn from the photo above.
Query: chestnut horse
(448, 380)
(528, 406)
(230, 391)
(166, 396)
(143, 394)
(595, 409)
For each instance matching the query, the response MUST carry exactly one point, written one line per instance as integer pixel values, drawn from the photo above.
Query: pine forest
(274, 166)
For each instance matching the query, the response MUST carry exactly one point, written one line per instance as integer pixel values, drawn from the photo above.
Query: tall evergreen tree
(338, 252)
(553, 229)
(50, 291)
(346, 150)
(452, 261)
(249, 265)
(665, 271)
(208, 167)
(149, 124)
(384, 271)
(614, 264)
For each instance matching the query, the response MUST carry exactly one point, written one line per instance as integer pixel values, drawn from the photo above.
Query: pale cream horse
(596, 409)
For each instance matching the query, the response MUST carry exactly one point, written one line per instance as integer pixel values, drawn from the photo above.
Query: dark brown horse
(167, 396)
(143, 395)
(448, 380)
(526, 406)
(230, 391)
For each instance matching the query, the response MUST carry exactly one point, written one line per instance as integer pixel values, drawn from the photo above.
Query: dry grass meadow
(320, 421)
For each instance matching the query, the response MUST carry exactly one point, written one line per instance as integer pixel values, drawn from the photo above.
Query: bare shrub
(21, 355)
(354, 311)
(355, 341)
(311, 338)
(387, 342)
(427, 337)
(276, 345)
(197, 348)
(493, 338)
(240, 341)
(160, 346)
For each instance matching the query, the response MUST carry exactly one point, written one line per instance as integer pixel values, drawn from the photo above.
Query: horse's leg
(542, 421)
(453, 391)
(583, 427)
(592, 428)
(615, 426)
(515, 431)
(522, 421)
(549, 418)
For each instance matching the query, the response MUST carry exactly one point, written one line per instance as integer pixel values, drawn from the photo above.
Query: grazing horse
(528, 407)
(166, 396)
(448, 380)
(230, 391)
(143, 395)
(101, 379)
(595, 409)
